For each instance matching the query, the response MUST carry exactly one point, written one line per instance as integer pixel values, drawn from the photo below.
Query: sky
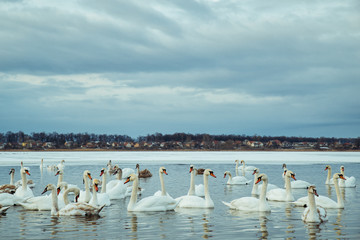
(268, 68)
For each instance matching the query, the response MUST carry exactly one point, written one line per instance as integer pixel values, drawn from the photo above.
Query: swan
(85, 196)
(9, 188)
(103, 174)
(163, 192)
(99, 199)
(197, 190)
(313, 213)
(126, 172)
(280, 194)
(256, 187)
(190, 201)
(24, 191)
(323, 201)
(151, 203)
(115, 188)
(7, 199)
(60, 174)
(3, 209)
(143, 173)
(329, 180)
(41, 165)
(242, 168)
(350, 181)
(238, 180)
(61, 165)
(44, 203)
(252, 203)
(110, 168)
(30, 183)
(298, 184)
(71, 209)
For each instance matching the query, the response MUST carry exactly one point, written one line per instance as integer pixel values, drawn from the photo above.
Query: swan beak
(164, 171)
(224, 175)
(27, 172)
(212, 174)
(293, 177)
(89, 175)
(57, 173)
(315, 192)
(127, 180)
(101, 173)
(326, 169)
(96, 187)
(58, 191)
(259, 180)
(76, 198)
(254, 172)
(191, 169)
(45, 190)
(342, 177)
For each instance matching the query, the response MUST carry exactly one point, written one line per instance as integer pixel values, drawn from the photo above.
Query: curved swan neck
(262, 196)
(119, 174)
(60, 178)
(163, 191)
(192, 184)
(66, 193)
(133, 197)
(338, 195)
(87, 188)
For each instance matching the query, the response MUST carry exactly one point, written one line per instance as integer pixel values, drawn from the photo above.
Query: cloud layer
(219, 67)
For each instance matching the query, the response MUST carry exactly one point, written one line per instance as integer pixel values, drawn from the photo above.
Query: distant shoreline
(177, 150)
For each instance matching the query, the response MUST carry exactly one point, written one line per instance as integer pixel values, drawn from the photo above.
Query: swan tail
(228, 204)
(4, 209)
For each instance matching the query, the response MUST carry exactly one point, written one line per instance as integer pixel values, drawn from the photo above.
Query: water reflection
(263, 225)
(328, 187)
(338, 225)
(313, 230)
(194, 215)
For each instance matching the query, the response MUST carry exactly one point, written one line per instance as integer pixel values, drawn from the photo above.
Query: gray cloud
(135, 67)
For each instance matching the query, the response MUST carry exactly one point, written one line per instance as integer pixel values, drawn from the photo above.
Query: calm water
(220, 223)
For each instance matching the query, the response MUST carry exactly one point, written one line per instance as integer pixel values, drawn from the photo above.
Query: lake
(284, 221)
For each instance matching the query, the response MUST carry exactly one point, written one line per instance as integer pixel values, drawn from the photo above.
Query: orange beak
(254, 172)
(96, 187)
(127, 180)
(27, 172)
(326, 169)
(76, 198)
(165, 172)
(259, 180)
(89, 175)
(57, 173)
(293, 177)
(224, 175)
(213, 175)
(191, 169)
(316, 193)
(58, 191)
(101, 173)
(342, 177)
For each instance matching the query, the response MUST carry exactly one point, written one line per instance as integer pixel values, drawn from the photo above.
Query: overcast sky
(274, 68)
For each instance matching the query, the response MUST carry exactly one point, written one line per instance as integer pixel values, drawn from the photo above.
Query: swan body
(116, 188)
(71, 209)
(323, 201)
(24, 191)
(143, 173)
(252, 203)
(9, 188)
(99, 199)
(7, 199)
(350, 181)
(280, 194)
(85, 196)
(300, 184)
(238, 180)
(197, 190)
(192, 201)
(151, 203)
(313, 213)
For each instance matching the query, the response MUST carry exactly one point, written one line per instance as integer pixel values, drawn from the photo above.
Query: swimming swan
(237, 180)
(280, 194)
(313, 213)
(350, 181)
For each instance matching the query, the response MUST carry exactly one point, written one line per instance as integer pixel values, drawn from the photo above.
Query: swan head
(48, 188)
(261, 177)
(117, 171)
(327, 167)
(227, 173)
(131, 177)
(290, 174)
(191, 168)
(62, 185)
(342, 168)
(12, 171)
(103, 170)
(163, 170)
(237, 160)
(25, 170)
(312, 190)
(284, 165)
(339, 175)
(242, 161)
(87, 174)
(256, 170)
(62, 161)
(96, 183)
(59, 172)
(210, 172)
(137, 166)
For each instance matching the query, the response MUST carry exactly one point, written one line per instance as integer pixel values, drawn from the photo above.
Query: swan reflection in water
(338, 226)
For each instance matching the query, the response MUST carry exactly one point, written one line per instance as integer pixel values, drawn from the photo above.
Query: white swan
(103, 174)
(252, 203)
(9, 188)
(61, 165)
(24, 191)
(280, 194)
(298, 184)
(85, 196)
(256, 187)
(350, 181)
(30, 183)
(323, 201)
(71, 209)
(44, 203)
(329, 180)
(162, 192)
(60, 174)
(313, 213)
(151, 203)
(126, 172)
(242, 168)
(99, 199)
(116, 188)
(237, 180)
(199, 202)
(197, 190)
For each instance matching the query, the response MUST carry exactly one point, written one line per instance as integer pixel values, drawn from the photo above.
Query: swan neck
(12, 178)
(206, 187)
(119, 175)
(24, 181)
(237, 168)
(94, 197)
(55, 206)
(312, 204)
(255, 186)
(87, 189)
(287, 186)
(103, 185)
(338, 195)
(133, 197)
(60, 179)
(262, 196)
(163, 191)
(328, 176)
(192, 184)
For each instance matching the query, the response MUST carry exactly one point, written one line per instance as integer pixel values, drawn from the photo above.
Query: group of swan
(349, 183)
